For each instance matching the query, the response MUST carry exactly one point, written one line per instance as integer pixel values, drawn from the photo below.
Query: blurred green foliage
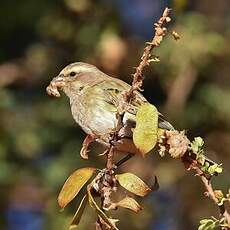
(38, 137)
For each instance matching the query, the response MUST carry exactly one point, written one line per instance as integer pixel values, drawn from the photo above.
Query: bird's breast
(93, 115)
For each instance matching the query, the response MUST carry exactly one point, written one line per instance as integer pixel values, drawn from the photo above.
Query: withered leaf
(145, 133)
(77, 216)
(74, 184)
(100, 212)
(129, 203)
(133, 184)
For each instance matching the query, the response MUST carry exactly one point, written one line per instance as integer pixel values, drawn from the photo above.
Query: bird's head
(74, 75)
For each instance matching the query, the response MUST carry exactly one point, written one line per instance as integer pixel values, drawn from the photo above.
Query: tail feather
(163, 124)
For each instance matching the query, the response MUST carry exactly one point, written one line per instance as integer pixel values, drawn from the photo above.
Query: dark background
(39, 140)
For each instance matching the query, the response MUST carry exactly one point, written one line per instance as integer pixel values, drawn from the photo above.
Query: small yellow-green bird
(95, 99)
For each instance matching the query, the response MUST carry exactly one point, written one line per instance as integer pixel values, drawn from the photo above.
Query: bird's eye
(72, 74)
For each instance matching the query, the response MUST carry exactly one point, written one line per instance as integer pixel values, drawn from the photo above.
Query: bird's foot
(103, 153)
(84, 150)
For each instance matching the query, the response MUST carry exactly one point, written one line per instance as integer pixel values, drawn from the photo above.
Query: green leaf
(145, 134)
(219, 169)
(199, 141)
(215, 168)
(129, 203)
(100, 213)
(205, 167)
(206, 221)
(197, 144)
(200, 158)
(133, 184)
(77, 216)
(74, 184)
(209, 224)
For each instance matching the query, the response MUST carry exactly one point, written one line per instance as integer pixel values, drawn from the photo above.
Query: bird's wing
(113, 89)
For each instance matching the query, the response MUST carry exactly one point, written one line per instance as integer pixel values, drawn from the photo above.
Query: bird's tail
(163, 124)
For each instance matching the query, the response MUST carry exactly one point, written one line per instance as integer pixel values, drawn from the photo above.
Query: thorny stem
(146, 59)
(211, 194)
(178, 146)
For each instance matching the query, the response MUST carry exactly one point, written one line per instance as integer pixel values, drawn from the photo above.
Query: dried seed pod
(177, 143)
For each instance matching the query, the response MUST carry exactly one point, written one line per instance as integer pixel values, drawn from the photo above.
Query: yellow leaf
(79, 212)
(100, 213)
(145, 133)
(129, 203)
(133, 184)
(74, 184)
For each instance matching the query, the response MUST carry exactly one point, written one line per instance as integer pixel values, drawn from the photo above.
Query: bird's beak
(57, 83)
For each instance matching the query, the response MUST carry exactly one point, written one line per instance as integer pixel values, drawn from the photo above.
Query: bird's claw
(84, 152)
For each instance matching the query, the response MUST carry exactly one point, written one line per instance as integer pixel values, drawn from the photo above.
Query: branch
(108, 181)
(211, 194)
(147, 58)
(192, 155)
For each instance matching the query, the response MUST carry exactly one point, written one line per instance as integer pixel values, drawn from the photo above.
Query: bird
(95, 100)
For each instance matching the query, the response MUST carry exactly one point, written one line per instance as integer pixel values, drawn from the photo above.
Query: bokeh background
(40, 142)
